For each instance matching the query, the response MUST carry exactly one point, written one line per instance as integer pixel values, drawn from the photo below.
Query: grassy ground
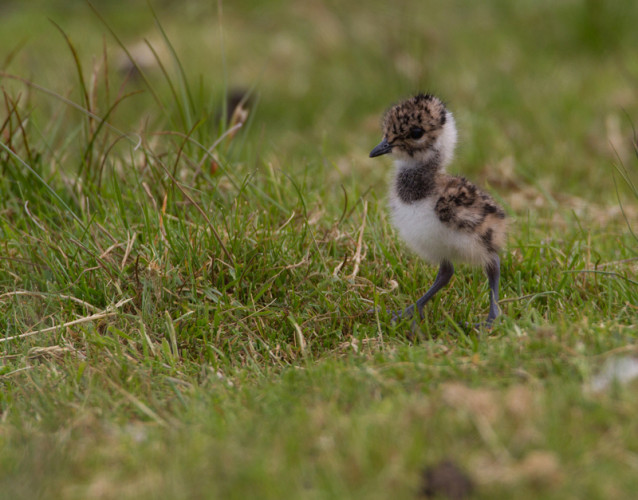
(185, 324)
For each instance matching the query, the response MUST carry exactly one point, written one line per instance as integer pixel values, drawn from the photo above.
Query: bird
(444, 219)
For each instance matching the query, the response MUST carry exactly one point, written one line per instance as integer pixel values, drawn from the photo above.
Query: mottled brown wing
(462, 206)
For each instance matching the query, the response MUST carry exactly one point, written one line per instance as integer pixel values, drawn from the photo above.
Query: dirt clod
(446, 480)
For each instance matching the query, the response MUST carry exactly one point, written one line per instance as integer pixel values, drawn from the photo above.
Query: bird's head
(417, 131)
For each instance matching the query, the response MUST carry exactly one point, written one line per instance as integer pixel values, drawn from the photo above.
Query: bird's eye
(416, 132)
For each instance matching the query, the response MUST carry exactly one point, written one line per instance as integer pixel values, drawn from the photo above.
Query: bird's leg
(446, 271)
(493, 271)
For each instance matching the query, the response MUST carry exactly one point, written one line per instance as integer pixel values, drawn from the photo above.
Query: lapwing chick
(443, 218)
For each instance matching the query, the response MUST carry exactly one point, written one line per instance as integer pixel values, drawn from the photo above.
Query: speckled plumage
(445, 219)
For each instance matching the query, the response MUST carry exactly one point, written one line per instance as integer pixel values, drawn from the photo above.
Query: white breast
(426, 235)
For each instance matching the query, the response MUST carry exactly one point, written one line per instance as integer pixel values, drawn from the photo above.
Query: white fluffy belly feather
(426, 235)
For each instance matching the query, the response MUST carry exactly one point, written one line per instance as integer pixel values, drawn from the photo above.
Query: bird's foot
(397, 316)
(415, 331)
(401, 315)
(488, 324)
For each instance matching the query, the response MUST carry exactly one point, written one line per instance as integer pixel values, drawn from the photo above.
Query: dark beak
(383, 148)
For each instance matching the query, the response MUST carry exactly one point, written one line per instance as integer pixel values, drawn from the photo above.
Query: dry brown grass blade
(48, 295)
(110, 311)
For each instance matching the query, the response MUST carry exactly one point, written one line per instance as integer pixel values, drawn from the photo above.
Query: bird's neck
(417, 180)
(446, 142)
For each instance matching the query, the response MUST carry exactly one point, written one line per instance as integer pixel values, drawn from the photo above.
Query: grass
(183, 321)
